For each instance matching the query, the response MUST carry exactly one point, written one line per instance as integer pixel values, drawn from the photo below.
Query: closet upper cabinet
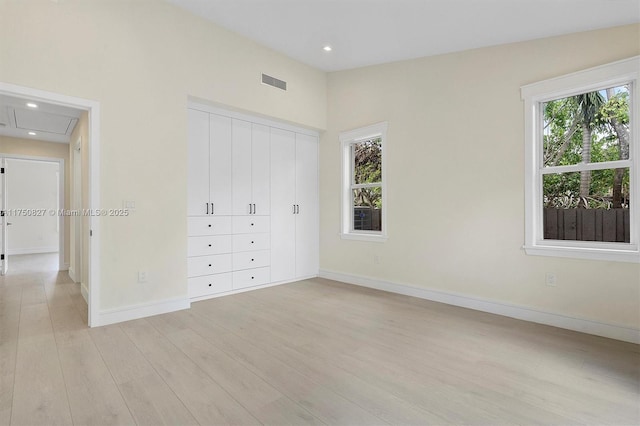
(209, 164)
(250, 165)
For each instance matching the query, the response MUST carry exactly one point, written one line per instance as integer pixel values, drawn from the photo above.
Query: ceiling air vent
(272, 81)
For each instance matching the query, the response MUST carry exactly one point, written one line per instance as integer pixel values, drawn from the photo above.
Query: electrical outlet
(142, 276)
(550, 279)
(376, 259)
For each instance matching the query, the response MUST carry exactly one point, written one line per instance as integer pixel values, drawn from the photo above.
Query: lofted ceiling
(367, 32)
(47, 122)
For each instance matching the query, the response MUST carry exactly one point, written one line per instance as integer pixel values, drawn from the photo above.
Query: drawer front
(251, 277)
(212, 225)
(251, 259)
(251, 242)
(203, 246)
(207, 265)
(210, 284)
(250, 224)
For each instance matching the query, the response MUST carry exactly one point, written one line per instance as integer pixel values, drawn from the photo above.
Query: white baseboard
(72, 274)
(112, 316)
(611, 331)
(32, 250)
(85, 292)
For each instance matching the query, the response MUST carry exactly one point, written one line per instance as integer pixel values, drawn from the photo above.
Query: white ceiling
(49, 122)
(367, 32)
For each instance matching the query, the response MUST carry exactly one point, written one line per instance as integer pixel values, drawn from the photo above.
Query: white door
(260, 165)
(241, 167)
(283, 209)
(307, 217)
(198, 164)
(220, 165)
(4, 217)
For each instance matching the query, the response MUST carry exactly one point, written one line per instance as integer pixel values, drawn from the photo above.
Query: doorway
(33, 197)
(91, 241)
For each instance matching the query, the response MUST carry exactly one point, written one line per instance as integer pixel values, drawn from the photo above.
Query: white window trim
(609, 75)
(347, 138)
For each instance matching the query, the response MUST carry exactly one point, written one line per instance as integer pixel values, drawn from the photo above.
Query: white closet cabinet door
(220, 164)
(283, 230)
(198, 163)
(260, 165)
(307, 220)
(241, 166)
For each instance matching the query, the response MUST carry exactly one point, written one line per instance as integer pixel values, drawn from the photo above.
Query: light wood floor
(313, 352)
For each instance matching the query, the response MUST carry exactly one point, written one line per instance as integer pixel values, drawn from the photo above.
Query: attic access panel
(44, 122)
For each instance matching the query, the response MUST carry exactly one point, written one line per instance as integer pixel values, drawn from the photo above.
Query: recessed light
(32, 133)
(327, 48)
(32, 105)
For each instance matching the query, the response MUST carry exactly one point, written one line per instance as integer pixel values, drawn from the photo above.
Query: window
(363, 183)
(582, 167)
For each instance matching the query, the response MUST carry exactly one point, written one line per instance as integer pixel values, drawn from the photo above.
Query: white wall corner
(143, 310)
(611, 331)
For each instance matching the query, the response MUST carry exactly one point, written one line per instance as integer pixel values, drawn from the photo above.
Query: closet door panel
(241, 166)
(220, 164)
(283, 230)
(198, 163)
(260, 165)
(307, 219)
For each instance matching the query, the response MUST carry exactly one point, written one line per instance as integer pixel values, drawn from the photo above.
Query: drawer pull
(252, 260)
(209, 285)
(252, 224)
(251, 242)
(209, 226)
(252, 277)
(209, 245)
(209, 265)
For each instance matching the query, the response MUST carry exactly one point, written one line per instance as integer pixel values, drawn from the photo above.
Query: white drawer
(210, 225)
(207, 265)
(251, 242)
(203, 246)
(251, 259)
(250, 224)
(210, 284)
(251, 277)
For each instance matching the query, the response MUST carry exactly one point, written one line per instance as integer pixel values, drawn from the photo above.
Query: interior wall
(141, 60)
(35, 148)
(33, 186)
(455, 170)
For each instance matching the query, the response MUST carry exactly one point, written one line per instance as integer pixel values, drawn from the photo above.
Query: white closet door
(307, 219)
(260, 165)
(220, 164)
(198, 163)
(283, 230)
(241, 166)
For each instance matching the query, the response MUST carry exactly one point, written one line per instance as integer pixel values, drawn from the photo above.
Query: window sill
(378, 238)
(631, 254)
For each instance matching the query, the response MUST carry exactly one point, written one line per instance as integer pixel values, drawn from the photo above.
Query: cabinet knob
(209, 245)
(209, 265)
(209, 285)
(252, 277)
(251, 260)
(209, 226)
(251, 242)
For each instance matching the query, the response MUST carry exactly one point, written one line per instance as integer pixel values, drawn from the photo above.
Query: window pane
(587, 128)
(367, 161)
(587, 206)
(367, 209)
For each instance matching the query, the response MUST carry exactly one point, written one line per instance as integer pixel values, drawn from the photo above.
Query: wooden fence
(587, 225)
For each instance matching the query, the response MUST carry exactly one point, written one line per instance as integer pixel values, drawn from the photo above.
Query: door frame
(93, 144)
(61, 195)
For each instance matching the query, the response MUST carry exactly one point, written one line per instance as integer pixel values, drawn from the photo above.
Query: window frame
(534, 95)
(347, 140)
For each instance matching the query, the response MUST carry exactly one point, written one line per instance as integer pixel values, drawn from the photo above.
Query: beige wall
(33, 148)
(141, 60)
(455, 166)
